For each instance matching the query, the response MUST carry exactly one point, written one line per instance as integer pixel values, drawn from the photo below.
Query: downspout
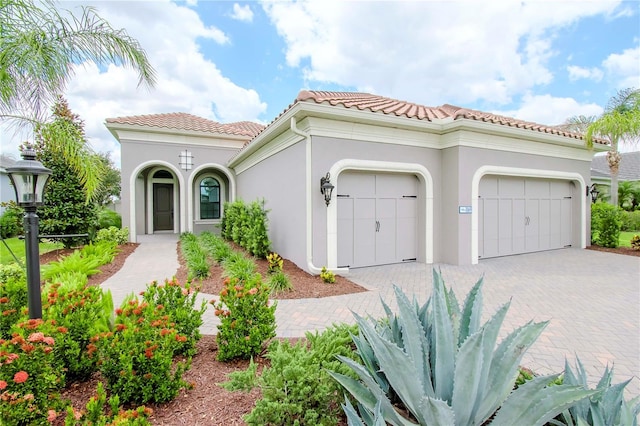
(294, 128)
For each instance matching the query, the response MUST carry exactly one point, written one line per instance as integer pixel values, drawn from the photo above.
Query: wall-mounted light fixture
(186, 160)
(593, 191)
(326, 188)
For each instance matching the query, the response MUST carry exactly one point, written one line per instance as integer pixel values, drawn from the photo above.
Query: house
(411, 183)
(629, 168)
(7, 192)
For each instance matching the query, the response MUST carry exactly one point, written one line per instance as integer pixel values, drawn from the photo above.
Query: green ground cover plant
(195, 256)
(83, 261)
(443, 366)
(296, 388)
(112, 234)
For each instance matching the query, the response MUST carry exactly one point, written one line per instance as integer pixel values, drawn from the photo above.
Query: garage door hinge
(568, 245)
(413, 259)
(343, 266)
(409, 196)
(567, 198)
(342, 195)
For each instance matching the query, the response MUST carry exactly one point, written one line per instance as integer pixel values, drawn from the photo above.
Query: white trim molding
(155, 164)
(522, 172)
(379, 166)
(214, 167)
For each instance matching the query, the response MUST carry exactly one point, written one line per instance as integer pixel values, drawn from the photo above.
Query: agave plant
(443, 367)
(607, 407)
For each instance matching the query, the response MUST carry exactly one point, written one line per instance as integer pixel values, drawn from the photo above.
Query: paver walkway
(592, 300)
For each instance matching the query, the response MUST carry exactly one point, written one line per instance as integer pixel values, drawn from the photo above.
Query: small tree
(67, 209)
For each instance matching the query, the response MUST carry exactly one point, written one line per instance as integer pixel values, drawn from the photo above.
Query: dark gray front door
(163, 207)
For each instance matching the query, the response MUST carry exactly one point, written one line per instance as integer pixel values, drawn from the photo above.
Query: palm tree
(40, 45)
(620, 122)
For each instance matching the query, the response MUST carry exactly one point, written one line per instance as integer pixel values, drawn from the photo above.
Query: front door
(163, 207)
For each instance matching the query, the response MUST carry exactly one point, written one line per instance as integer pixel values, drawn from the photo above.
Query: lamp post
(29, 178)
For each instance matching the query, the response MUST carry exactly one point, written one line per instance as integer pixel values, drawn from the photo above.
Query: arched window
(209, 198)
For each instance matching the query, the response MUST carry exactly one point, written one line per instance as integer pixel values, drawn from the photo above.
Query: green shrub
(441, 365)
(327, 276)
(605, 225)
(29, 380)
(113, 234)
(108, 218)
(279, 282)
(136, 359)
(80, 312)
(630, 221)
(246, 319)
(11, 220)
(13, 297)
(179, 303)
(195, 256)
(246, 225)
(296, 388)
(97, 413)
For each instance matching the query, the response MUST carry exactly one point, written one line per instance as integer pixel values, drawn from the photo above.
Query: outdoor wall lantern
(593, 191)
(29, 178)
(326, 188)
(186, 160)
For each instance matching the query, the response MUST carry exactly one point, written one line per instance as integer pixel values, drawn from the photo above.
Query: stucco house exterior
(411, 183)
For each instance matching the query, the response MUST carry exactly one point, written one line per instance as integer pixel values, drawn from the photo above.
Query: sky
(540, 61)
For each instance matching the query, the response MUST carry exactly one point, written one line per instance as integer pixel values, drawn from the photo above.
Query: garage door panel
(532, 215)
(384, 218)
(510, 187)
(407, 225)
(345, 230)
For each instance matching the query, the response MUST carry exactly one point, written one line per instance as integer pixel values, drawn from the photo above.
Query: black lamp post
(29, 178)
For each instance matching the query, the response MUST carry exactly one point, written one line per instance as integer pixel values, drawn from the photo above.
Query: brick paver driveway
(592, 300)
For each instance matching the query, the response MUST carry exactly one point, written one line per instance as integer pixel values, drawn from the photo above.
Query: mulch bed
(618, 250)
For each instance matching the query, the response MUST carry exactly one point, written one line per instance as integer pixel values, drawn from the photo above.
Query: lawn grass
(625, 238)
(17, 247)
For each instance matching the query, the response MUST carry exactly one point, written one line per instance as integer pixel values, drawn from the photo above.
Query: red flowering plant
(29, 382)
(137, 358)
(247, 319)
(13, 298)
(83, 312)
(180, 304)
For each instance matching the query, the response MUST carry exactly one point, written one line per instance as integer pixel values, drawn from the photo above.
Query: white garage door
(377, 218)
(518, 215)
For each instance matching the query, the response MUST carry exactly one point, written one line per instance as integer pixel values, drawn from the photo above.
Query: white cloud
(550, 110)
(624, 67)
(186, 80)
(429, 52)
(242, 13)
(577, 73)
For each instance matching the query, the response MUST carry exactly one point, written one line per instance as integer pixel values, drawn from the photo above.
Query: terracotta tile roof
(381, 104)
(184, 121)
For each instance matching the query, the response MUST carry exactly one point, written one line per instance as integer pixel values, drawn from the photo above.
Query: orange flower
(62, 329)
(36, 337)
(118, 311)
(20, 377)
(27, 347)
(120, 327)
(51, 416)
(3, 385)
(253, 291)
(49, 340)
(4, 299)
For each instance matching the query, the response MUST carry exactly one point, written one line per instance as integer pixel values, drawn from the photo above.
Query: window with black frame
(209, 198)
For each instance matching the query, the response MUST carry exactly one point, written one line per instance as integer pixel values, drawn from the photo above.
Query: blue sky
(540, 61)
